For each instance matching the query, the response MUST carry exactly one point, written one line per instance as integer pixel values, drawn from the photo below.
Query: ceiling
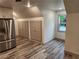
(48, 4)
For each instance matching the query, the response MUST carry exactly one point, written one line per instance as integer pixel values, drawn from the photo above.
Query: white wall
(20, 11)
(72, 34)
(49, 25)
(60, 35)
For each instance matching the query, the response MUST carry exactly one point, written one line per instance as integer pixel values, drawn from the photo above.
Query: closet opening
(28, 30)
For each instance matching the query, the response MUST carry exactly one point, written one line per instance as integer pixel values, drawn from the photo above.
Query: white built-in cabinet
(30, 28)
(6, 13)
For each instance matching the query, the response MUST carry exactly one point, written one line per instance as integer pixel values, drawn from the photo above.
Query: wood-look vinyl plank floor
(34, 50)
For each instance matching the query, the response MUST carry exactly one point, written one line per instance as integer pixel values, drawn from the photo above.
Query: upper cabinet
(6, 3)
(6, 9)
(6, 13)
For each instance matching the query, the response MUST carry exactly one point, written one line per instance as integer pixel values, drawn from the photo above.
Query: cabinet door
(6, 13)
(36, 30)
(23, 29)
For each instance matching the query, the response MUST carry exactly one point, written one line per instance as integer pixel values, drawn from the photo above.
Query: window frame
(59, 22)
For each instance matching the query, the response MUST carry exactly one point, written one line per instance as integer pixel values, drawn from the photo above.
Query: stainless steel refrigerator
(7, 34)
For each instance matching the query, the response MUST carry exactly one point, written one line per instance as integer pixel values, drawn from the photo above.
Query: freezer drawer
(6, 45)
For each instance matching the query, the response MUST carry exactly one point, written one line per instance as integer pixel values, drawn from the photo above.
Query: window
(62, 23)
